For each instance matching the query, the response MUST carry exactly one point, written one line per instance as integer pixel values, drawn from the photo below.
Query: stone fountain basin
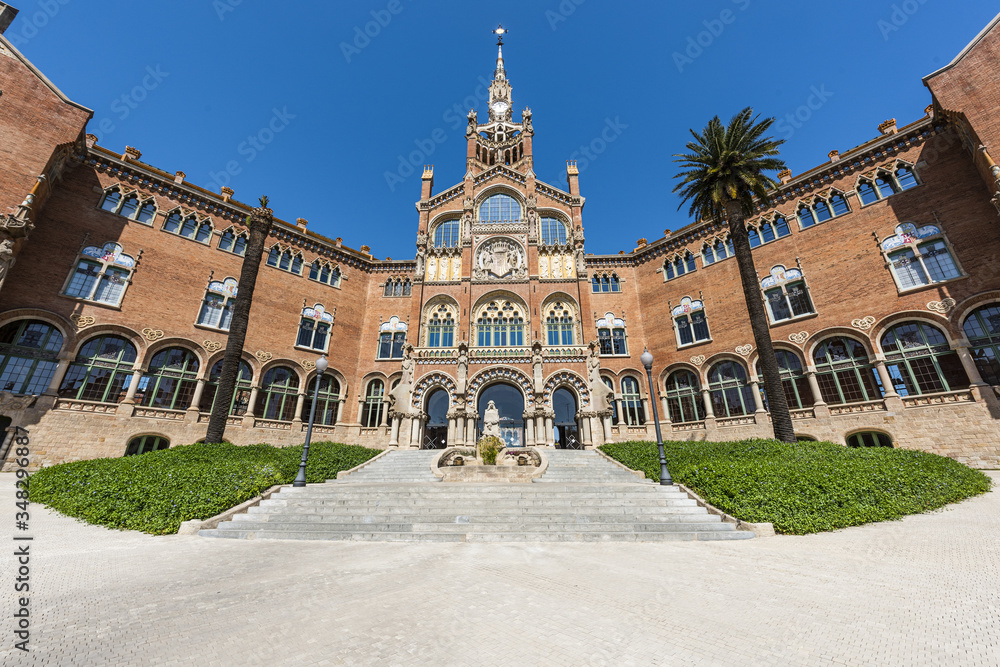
(475, 471)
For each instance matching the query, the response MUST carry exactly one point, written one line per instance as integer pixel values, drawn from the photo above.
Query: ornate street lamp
(321, 365)
(647, 361)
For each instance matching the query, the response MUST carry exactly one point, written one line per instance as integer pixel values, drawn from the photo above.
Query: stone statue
(473, 122)
(421, 259)
(409, 363)
(536, 366)
(601, 395)
(491, 420)
(463, 367)
(6, 258)
(581, 263)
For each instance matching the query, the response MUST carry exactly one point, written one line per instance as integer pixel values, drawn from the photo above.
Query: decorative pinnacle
(500, 32)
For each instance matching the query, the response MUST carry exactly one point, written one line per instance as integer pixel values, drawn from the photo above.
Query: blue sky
(337, 115)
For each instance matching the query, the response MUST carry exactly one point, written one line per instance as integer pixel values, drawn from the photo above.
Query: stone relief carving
(6, 258)
(744, 350)
(81, 321)
(211, 345)
(863, 323)
(942, 306)
(152, 335)
(698, 360)
(601, 395)
(262, 356)
(463, 367)
(499, 259)
(799, 338)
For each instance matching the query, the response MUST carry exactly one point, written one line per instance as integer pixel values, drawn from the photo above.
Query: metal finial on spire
(500, 32)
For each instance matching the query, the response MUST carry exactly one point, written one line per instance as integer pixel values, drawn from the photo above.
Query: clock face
(499, 108)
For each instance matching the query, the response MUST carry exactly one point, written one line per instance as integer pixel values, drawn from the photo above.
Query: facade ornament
(581, 263)
(536, 365)
(601, 396)
(81, 321)
(262, 356)
(418, 274)
(7, 258)
(421, 239)
(211, 345)
(473, 128)
(744, 350)
(500, 259)
(942, 306)
(463, 367)
(307, 364)
(467, 204)
(799, 338)
(152, 335)
(863, 323)
(698, 360)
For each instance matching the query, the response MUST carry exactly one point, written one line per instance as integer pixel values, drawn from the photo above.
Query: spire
(500, 102)
(499, 74)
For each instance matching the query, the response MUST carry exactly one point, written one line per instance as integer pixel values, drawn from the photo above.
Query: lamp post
(647, 361)
(321, 365)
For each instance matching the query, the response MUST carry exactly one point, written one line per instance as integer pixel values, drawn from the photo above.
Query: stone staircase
(581, 497)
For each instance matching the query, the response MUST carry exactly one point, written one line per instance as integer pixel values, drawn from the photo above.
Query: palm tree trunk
(259, 222)
(781, 418)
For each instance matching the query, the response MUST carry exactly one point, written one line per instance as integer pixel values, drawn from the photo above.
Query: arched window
(100, 275)
(29, 351)
(217, 307)
(731, 395)
(684, 402)
(441, 328)
(234, 243)
(278, 394)
(553, 231)
(614, 405)
(241, 395)
(844, 372)
(885, 185)
(285, 260)
(500, 324)
(397, 287)
(314, 328)
(146, 213)
(905, 178)
(798, 395)
(189, 227)
(690, 324)
(499, 208)
(632, 408)
(173, 223)
(867, 193)
(129, 206)
(982, 328)
(869, 439)
(322, 272)
(559, 325)
(112, 199)
(446, 234)
(767, 232)
(596, 284)
(170, 381)
(754, 237)
(678, 266)
(329, 401)
(839, 204)
(806, 218)
(919, 256)
(371, 410)
(611, 335)
(146, 443)
(822, 210)
(102, 371)
(920, 361)
(786, 294)
(392, 339)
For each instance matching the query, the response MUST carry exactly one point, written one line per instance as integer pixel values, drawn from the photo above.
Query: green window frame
(684, 403)
(795, 384)
(278, 395)
(731, 394)
(920, 360)
(371, 410)
(634, 413)
(329, 400)
(102, 371)
(29, 355)
(844, 372)
(170, 381)
(240, 401)
(146, 443)
(559, 325)
(982, 328)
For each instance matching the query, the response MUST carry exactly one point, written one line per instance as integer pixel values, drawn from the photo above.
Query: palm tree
(259, 221)
(724, 180)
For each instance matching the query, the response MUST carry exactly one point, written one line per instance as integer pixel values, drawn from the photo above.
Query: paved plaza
(922, 591)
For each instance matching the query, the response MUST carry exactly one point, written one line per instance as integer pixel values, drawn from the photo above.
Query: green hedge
(809, 486)
(155, 492)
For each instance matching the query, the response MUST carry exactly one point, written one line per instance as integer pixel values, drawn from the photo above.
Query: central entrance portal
(436, 433)
(510, 403)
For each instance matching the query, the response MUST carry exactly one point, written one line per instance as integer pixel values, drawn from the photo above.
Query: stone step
(478, 504)
(465, 519)
(482, 537)
(334, 527)
(369, 509)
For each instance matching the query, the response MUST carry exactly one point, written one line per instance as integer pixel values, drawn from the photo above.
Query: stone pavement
(922, 591)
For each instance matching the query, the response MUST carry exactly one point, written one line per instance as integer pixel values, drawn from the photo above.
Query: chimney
(179, 177)
(427, 182)
(7, 14)
(834, 155)
(641, 243)
(573, 177)
(785, 175)
(301, 223)
(131, 154)
(366, 250)
(91, 140)
(339, 241)
(888, 127)
(227, 193)
(929, 111)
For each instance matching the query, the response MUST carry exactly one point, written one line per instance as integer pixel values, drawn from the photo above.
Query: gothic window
(278, 394)
(233, 242)
(611, 335)
(285, 259)
(241, 395)
(690, 324)
(867, 193)
(188, 227)
(678, 266)
(559, 325)
(885, 185)
(905, 178)
(717, 252)
(919, 256)
(499, 208)
(322, 272)
(146, 443)
(112, 200)
(806, 218)
(441, 328)
(553, 231)
(397, 287)
(754, 236)
(920, 361)
(731, 395)
(839, 204)
(329, 400)
(129, 206)
(614, 404)
(844, 372)
(982, 328)
(170, 381)
(100, 275)
(314, 329)
(101, 372)
(29, 352)
(217, 307)
(371, 410)
(500, 324)
(869, 439)
(684, 402)
(392, 339)
(606, 283)
(822, 210)
(446, 234)
(632, 409)
(794, 383)
(786, 294)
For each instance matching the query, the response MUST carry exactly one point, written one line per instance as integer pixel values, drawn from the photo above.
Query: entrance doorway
(510, 402)
(567, 433)
(436, 433)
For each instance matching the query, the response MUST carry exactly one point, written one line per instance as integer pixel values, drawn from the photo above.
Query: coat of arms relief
(500, 259)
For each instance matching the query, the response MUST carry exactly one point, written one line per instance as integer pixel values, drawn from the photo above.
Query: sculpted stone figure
(6, 258)
(536, 366)
(421, 259)
(600, 393)
(463, 367)
(491, 420)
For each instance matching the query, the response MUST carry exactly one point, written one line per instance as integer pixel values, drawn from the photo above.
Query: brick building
(878, 268)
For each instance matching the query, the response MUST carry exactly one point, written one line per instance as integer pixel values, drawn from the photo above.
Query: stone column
(252, 405)
(133, 386)
(883, 373)
(460, 431)
(394, 433)
(706, 397)
(199, 389)
(820, 408)
(621, 413)
(529, 428)
(758, 401)
(340, 410)
(452, 426)
(417, 432)
(608, 433)
(300, 401)
(588, 440)
(645, 409)
(61, 368)
(384, 421)
(969, 364)
(549, 438)
(665, 415)
(361, 409)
